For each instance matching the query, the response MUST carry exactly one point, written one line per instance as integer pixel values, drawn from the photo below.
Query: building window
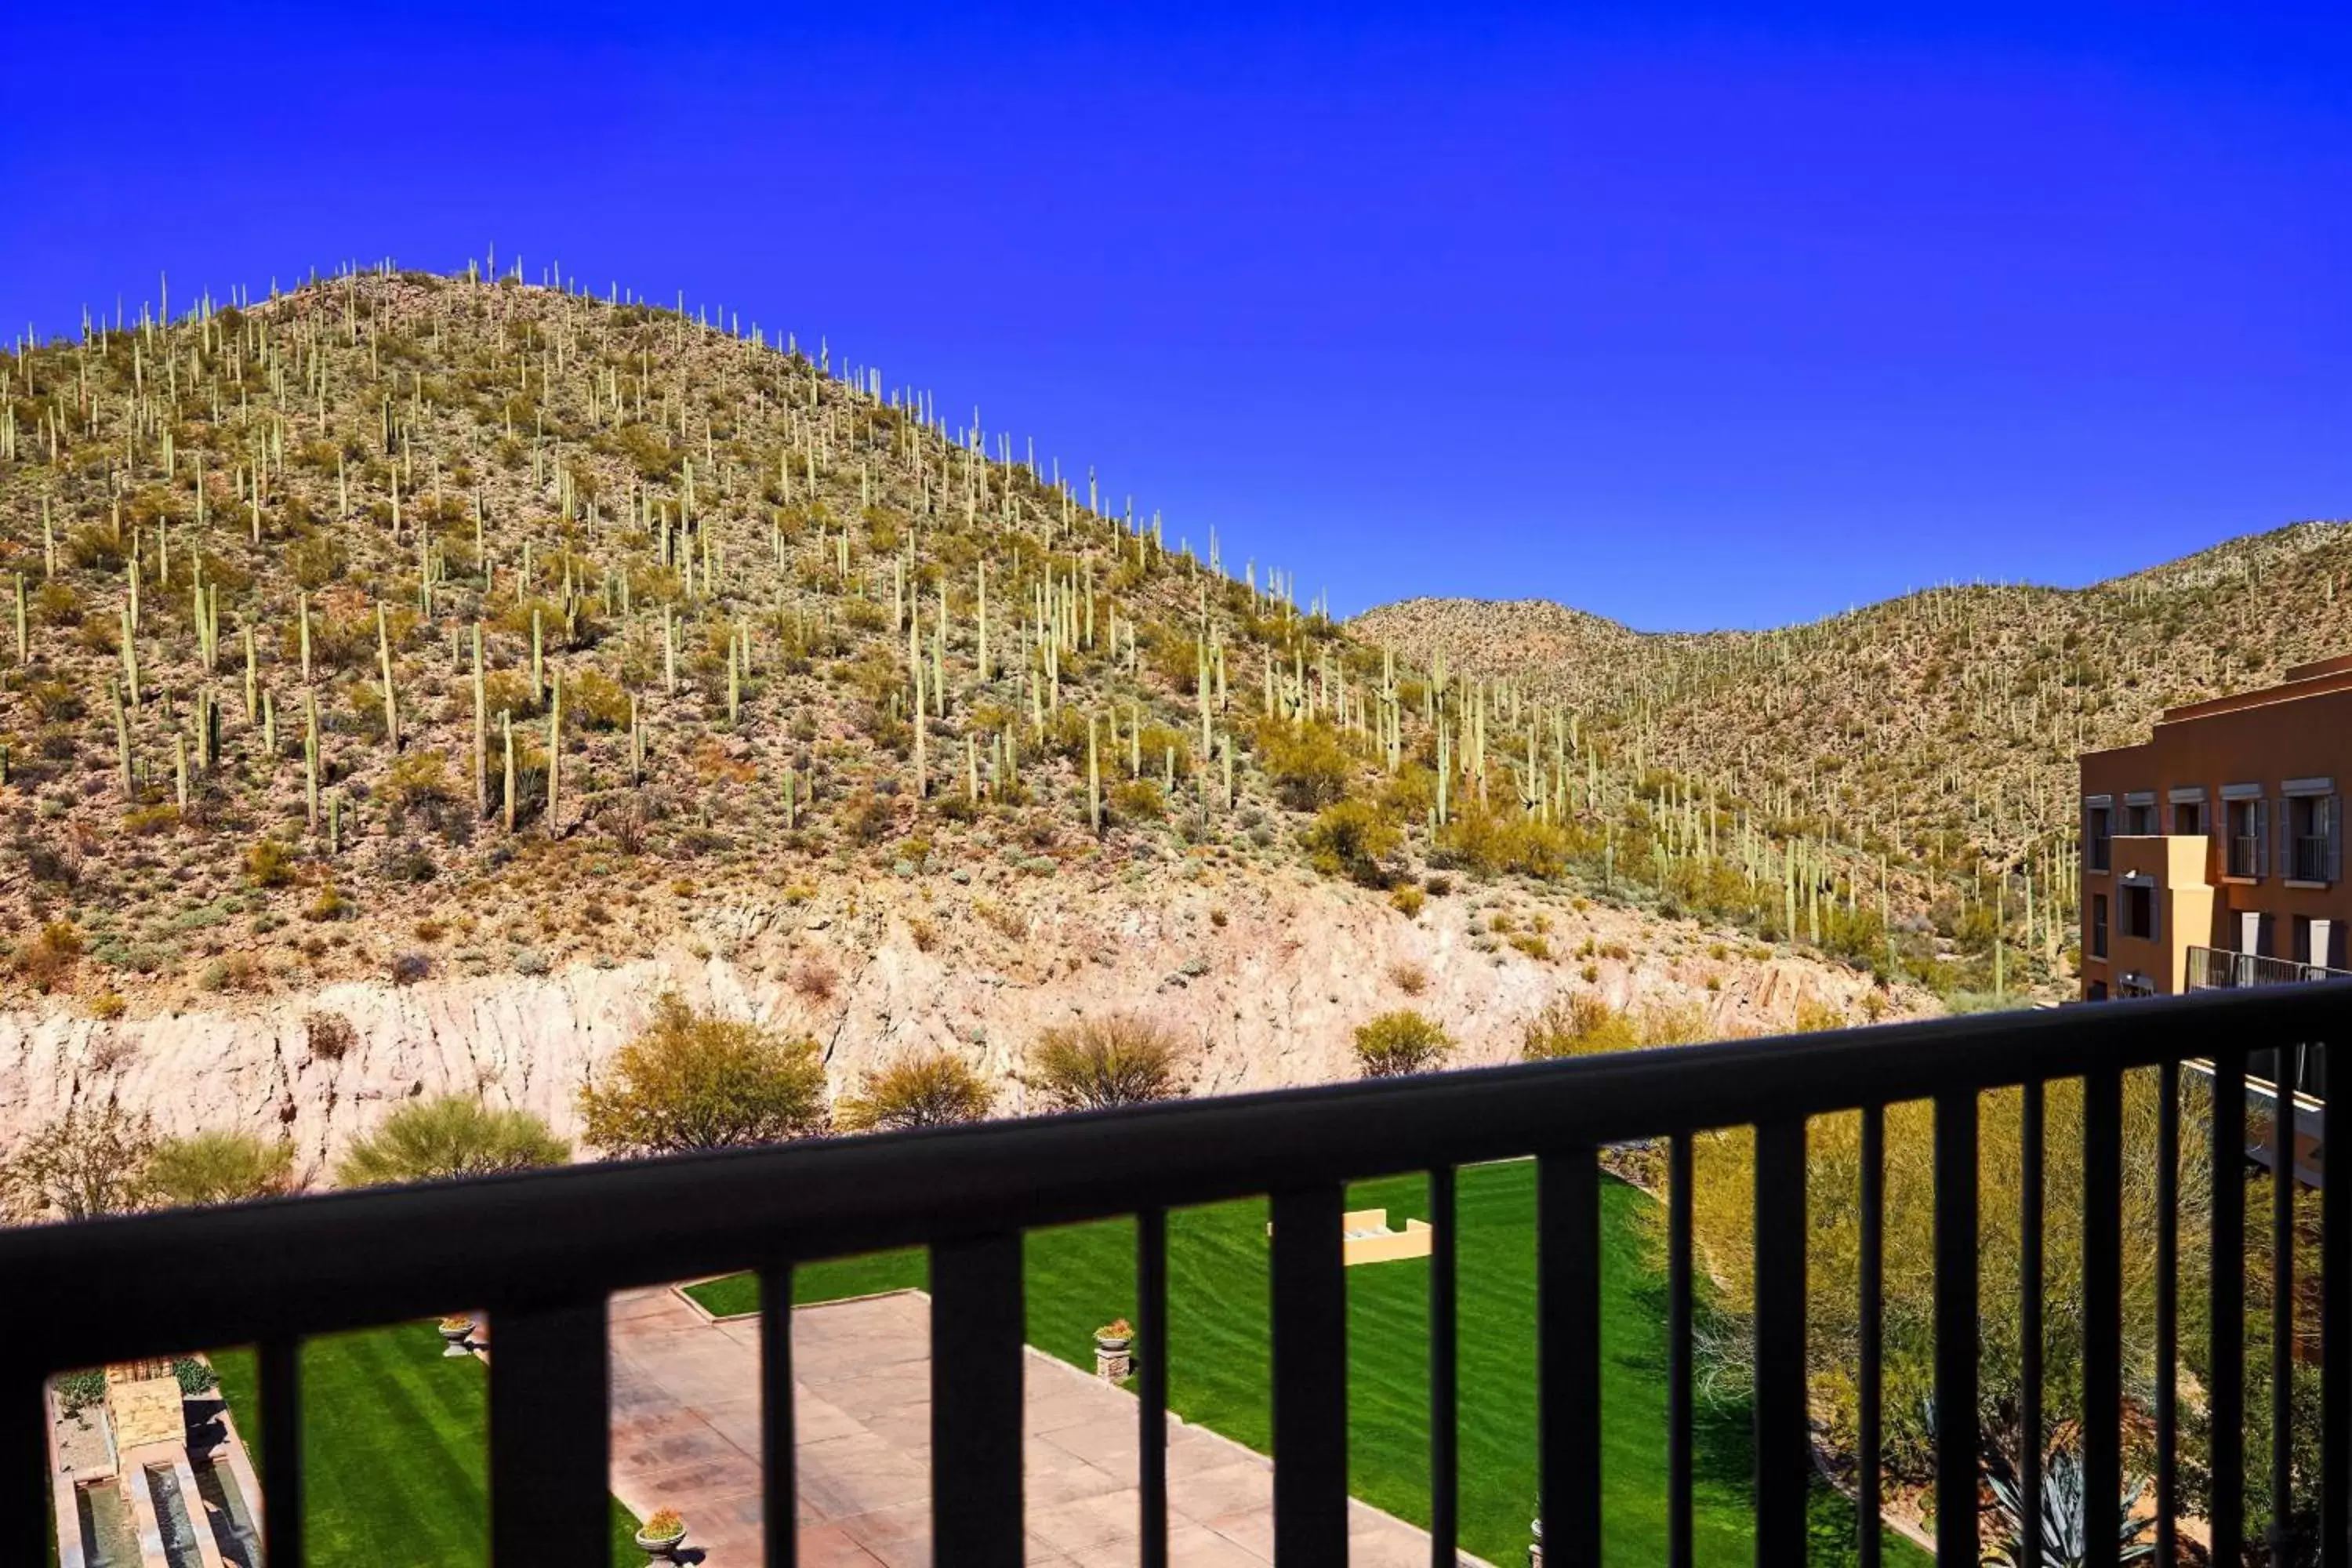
(2140, 913)
(2312, 832)
(2189, 817)
(2139, 819)
(2098, 925)
(2098, 831)
(2098, 991)
(2248, 830)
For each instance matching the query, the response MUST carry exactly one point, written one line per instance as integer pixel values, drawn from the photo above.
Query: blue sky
(1693, 315)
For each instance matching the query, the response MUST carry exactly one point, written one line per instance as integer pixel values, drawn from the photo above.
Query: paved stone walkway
(686, 1411)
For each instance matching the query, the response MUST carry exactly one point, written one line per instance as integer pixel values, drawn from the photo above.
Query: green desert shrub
(1398, 1043)
(692, 1081)
(453, 1135)
(926, 1089)
(1308, 765)
(269, 863)
(1584, 1024)
(1490, 842)
(1352, 838)
(1097, 1062)
(221, 1167)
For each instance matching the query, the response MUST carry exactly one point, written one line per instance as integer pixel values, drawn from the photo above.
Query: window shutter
(2335, 840)
(2262, 835)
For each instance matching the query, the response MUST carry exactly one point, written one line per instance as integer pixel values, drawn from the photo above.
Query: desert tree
(694, 1080)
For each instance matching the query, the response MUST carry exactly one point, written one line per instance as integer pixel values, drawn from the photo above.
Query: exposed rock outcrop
(1267, 976)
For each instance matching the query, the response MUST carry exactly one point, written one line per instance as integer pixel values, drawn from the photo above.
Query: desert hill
(1939, 728)
(451, 639)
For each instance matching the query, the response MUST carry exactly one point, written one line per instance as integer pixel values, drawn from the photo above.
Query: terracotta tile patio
(685, 1413)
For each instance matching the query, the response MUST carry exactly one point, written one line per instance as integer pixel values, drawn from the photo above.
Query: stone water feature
(177, 1531)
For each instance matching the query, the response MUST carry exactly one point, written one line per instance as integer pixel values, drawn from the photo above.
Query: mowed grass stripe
(396, 1449)
(1219, 1336)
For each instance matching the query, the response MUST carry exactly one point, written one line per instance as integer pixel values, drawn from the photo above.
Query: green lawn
(396, 1449)
(1217, 1359)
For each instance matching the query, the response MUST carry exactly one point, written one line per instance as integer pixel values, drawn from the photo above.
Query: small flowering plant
(1117, 1329)
(665, 1524)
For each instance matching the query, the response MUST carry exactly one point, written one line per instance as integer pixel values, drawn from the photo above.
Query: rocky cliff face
(1267, 974)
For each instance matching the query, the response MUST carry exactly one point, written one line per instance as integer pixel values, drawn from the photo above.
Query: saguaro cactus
(122, 736)
(391, 694)
(554, 745)
(1094, 778)
(481, 733)
(310, 757)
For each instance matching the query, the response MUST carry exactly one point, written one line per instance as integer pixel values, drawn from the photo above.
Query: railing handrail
(2278, 970)
(158, 1283)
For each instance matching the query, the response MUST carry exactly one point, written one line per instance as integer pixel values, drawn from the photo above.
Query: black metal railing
(543, 1253)
(2245, 856)
(2216, 969)
(2314, 858)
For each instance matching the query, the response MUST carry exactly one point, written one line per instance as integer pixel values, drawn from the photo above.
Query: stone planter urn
(1113, 1361)
(454, 1334)
(663, 1547)
(1535, 1548)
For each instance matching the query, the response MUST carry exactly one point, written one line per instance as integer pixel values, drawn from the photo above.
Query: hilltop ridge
(418, 626)
(402, 646)
(1940, 727)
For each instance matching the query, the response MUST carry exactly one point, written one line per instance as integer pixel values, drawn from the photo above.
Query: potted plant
(455, 1329)
(1114, 1337)
(660, 1536)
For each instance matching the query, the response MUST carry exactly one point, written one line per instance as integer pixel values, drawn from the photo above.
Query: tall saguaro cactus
(390, 694)
(554, 746)
(481, 733)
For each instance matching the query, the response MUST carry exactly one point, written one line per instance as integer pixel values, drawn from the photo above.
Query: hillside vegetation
(429, 623)
(1940, 729)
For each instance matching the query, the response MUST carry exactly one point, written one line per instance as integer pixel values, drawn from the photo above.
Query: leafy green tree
(451, 1136)
(928, 1088)
(1098, 1062)
(91, 1161)
(690, 1080)
(1398, 1043)
(220, 1167)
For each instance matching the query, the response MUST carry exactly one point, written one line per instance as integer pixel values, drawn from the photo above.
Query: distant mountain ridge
(1943, 724)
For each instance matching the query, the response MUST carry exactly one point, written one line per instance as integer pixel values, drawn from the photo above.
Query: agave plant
(2065, 1522)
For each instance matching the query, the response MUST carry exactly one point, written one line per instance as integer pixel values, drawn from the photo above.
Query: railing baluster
(2281, 1521)
(2334, 1342)
(1783, 1435)
(281, 1451)
(2030, 1119)
(1956, 1326)
(1872, 1319)
(779, 1496)
(2168, 1311)
(1151, 1415)
(1444, 1479)
(977, 1402)
(2227, 1513)
(1310, 1378)
(2103, 1265)
(1567, 1305)
(549, 1437)
(25, 1454)
(1678, 1351)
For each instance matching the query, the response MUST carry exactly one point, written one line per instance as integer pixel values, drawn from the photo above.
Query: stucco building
(2212, 854)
